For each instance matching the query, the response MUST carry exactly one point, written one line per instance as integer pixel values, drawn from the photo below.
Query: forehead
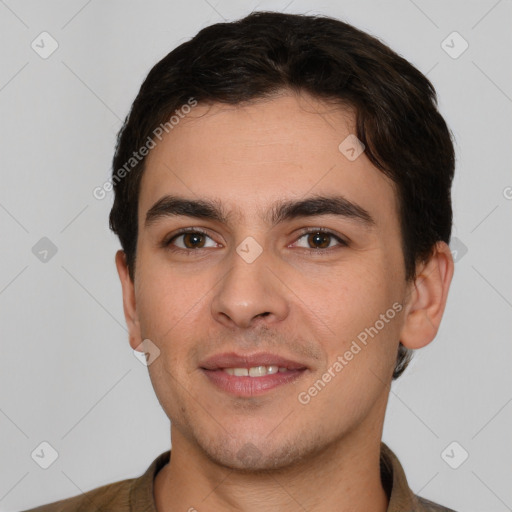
(249, 156)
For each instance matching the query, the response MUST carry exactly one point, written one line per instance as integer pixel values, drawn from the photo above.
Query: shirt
(136, 494)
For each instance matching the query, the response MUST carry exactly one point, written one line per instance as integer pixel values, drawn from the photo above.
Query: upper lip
(234, 360)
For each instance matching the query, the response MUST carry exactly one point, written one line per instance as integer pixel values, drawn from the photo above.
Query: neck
(343, 477)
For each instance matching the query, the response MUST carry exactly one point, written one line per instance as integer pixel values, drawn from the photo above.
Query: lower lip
(251, 386)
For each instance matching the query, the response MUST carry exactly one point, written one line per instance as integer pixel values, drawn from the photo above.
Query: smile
(255, 371)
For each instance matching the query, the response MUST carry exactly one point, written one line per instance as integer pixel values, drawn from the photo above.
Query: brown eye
(319, 240)
(190, 240)
(193, 240)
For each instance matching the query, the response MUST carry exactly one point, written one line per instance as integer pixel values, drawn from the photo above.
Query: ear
(129, 304)
(428, 295)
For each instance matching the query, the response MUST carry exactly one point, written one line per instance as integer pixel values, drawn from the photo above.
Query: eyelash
(167, 243)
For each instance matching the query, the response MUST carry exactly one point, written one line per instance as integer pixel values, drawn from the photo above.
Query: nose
(249, 293)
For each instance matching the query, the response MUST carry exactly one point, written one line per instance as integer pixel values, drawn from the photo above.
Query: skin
(323, 455)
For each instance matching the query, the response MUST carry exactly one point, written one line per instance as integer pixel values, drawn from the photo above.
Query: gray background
(67, 373)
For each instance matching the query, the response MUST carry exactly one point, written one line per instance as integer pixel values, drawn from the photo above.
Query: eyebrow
(281, 211)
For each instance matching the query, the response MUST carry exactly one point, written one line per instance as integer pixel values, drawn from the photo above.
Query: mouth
(251, 375)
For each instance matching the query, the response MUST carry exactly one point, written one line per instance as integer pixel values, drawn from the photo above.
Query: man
(282, 198)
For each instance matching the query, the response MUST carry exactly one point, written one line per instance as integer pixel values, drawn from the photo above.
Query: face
(310, 297)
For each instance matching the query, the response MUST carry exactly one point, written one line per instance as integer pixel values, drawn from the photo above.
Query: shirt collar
(401, 498)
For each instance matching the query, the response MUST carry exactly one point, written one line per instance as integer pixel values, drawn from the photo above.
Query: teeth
(258, 371)
(255, 371)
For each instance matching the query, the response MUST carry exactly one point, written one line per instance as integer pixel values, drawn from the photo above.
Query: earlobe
(429, 294)
(129, 302)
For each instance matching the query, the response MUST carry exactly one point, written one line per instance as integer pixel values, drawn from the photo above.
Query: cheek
(347, 298)
(167, 299)
(356, 316)
(173, 308)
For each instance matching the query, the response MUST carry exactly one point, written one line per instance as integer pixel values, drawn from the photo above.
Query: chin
(253, 456)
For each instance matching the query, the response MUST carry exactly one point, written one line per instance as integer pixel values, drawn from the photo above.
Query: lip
(234, 360)
(247, 386)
